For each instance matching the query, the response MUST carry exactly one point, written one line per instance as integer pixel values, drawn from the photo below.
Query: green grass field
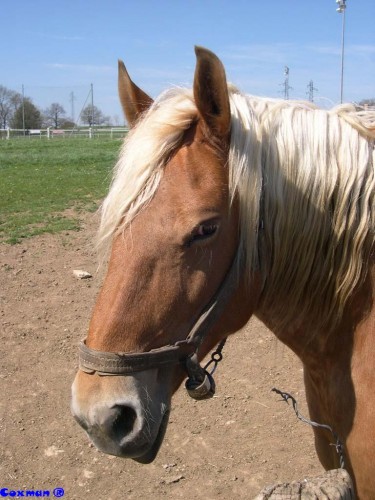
(42, 179)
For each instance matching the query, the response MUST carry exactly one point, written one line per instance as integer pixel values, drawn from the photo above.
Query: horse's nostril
(123, 423)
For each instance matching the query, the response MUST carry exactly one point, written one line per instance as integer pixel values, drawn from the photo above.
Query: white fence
(50, 133)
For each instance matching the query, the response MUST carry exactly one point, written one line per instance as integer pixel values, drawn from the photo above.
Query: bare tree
(54, 115)
(9, 102)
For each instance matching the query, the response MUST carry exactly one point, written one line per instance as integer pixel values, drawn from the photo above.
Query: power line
(83, 107)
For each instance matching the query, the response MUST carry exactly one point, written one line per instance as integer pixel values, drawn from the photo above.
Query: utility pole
(341, 10)
(72, 99)
(92, 104)
(23, 110)
(311, 91)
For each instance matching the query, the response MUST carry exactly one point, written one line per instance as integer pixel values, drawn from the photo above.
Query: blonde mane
(306, 184)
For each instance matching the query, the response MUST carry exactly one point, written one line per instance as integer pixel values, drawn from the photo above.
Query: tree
(9, 101)
(93, 116)
(33, 117)
(67, 123)
(367, 103)
(5, 106)
(16, 101)
(54, 115)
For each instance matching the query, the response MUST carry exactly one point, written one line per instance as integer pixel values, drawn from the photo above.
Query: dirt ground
(229, 447)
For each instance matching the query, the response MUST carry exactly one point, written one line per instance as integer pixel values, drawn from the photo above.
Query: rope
(338, 444)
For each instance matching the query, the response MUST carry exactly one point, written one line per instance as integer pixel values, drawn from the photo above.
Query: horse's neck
(355, 333)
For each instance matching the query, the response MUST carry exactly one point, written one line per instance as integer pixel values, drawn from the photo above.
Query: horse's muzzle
(130, 425)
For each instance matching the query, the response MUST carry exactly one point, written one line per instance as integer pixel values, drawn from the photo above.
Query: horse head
(174, 230)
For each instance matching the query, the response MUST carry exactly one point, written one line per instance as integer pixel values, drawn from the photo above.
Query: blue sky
(58, 47)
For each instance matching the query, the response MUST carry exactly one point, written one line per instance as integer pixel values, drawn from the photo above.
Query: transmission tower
(285, 85)
(311, 91)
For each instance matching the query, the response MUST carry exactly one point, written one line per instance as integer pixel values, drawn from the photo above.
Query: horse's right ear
(211, 93)
(133, 100)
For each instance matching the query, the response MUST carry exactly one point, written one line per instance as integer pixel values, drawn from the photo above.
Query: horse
(224, 205)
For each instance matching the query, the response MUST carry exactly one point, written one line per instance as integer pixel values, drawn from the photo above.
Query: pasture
(43, 182)
(228, 447)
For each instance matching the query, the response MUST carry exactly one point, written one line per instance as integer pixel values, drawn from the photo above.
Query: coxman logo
(6, 492)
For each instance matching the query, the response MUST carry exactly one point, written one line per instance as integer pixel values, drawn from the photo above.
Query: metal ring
(216, 356)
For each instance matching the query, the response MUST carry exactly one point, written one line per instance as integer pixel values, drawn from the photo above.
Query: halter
(200, 384)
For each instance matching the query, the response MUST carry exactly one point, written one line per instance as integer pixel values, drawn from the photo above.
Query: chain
(216, 357)
(338, 444)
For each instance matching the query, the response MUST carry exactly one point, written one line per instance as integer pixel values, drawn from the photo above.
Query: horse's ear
(211, 93)
(134, 101)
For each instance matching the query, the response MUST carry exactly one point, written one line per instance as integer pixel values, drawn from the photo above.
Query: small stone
(174, 479)
(169, 466)
(81, 275)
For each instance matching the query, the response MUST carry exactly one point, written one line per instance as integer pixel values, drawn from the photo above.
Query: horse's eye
(202, 232)
(206, 230)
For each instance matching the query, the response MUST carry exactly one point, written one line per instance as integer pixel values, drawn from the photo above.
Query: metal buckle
(201, 390)
(200, 384)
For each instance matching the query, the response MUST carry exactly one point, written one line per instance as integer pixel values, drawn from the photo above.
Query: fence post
(8, 133)
(48, 132)
(90, 133)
